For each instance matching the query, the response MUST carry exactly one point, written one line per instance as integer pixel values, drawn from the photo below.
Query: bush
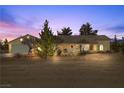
(83, 53)
(108, 52)
(59, 52)
(17, 55)
(122, 50)
(115, 47)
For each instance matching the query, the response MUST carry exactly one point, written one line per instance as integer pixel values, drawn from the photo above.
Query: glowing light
(98, 58)
(21, 39)
(28, 37)
(56, 59)
(39, 49)
(101, 47)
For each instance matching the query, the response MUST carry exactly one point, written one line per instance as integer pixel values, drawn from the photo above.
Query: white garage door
(19, 48)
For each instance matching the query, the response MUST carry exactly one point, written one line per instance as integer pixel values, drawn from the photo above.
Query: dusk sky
(20, 20)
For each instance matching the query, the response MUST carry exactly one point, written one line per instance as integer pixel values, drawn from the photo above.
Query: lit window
(21, 39)
(101, 47)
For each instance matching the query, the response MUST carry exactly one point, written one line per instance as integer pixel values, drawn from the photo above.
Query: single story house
(66, 45)
(75, 44)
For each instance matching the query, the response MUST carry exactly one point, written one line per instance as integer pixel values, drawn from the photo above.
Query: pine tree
(65, 31)
(86, 29)
(1, 46)
(45, 45)
(6, 45)
(115, 45)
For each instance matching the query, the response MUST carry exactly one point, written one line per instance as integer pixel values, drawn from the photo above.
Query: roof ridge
(22, 37)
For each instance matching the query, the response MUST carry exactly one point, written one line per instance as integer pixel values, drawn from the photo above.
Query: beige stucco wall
(70, 50)
(17, 47)
(73, 49)
(86, 47)
(95, 48)
(106, 45)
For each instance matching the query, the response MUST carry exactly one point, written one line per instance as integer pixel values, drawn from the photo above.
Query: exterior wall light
(21, 39)
(28, 37)
(39, 49)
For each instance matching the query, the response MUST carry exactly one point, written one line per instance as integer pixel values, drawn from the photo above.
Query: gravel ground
(90, 71)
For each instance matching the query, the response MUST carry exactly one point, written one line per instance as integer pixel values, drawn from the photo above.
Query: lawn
(92, 70)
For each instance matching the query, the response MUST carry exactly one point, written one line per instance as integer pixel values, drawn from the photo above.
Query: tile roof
(73, 38)
(80, 39)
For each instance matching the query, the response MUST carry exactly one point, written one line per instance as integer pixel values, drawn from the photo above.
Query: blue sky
(21, 20)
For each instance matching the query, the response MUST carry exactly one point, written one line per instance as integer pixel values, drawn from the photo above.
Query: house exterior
(66, 45)
(73, 45)
(17, 46)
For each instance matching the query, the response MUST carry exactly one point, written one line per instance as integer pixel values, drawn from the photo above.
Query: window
(101, 47)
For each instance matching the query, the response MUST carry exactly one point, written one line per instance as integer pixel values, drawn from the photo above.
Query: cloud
(117, 28)
(12, 26)
(114, 30)
(8, 16)
(11, 31)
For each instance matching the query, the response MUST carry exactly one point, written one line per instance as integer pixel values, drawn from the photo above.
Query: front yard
(92, 70)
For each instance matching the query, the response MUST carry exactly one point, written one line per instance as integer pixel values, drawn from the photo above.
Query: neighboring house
(67, 45)
(17, 46)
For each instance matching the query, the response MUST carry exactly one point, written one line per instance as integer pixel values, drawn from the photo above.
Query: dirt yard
(92, 70)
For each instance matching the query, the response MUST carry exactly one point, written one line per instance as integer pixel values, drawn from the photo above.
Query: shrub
(17, 55)
(122, 50)
(83, 53)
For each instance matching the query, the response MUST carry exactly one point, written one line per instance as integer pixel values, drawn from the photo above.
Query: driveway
(92, 70)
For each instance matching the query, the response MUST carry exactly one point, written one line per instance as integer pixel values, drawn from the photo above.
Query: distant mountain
(119, 40)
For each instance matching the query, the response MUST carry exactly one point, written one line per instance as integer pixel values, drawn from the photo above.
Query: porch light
(39, 49)
(21, 39)
(28, 37)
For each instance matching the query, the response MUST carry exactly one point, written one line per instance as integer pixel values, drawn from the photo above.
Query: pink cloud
(12, 31)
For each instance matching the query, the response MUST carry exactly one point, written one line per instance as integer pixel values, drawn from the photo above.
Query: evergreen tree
(115, 45)
(122, 48)
(65, 31)
(122, 45)
(1, 46)
(86, 29)
(45, 45)
(6, 44)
